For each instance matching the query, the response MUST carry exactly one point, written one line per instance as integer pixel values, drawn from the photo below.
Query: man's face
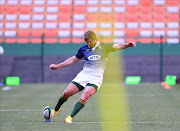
(91, 43)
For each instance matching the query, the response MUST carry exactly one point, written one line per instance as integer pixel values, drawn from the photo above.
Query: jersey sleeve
(109, 48)
(79, 54)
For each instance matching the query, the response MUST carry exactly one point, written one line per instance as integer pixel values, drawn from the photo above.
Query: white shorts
(83, 78)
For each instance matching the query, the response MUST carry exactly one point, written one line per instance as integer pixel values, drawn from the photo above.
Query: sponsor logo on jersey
(94, 57)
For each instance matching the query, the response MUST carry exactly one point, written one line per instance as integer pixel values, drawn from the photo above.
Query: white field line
(106, 95)
(19, 110)
(146, 122)
(22, 110)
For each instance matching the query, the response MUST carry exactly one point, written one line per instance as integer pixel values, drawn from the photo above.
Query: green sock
(79, 105)
(60, 102)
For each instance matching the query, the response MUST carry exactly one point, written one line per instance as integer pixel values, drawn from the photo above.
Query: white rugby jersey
(94, 59)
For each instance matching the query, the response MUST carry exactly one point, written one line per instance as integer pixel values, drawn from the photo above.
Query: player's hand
(131, 44)
(53, 67)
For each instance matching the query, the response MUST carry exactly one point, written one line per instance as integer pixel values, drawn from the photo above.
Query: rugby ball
(48, 112)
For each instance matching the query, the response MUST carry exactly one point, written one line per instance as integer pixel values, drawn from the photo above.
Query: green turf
(151, 107)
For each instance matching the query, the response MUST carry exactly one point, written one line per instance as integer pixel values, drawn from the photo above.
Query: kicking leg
(88, 92)
(69, 91)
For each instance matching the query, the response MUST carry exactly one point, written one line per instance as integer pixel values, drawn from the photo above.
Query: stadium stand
(140, 20)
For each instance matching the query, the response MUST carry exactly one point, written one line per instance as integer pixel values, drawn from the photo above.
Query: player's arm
(67, 62)
(120, 46)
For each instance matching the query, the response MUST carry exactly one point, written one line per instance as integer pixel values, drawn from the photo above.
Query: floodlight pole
(42, 59)
(161, 59)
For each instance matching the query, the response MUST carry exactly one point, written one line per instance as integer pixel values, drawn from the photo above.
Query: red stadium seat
(50, 33)
(23, 33)
(2, 10)
(10, 40)
(65, 9)
(36, 40)
(11, 9)
(172, 2)
(79, 9)
(1, 40)
(159, 17)
(107, 40)
(77, 40)
(158, 40)
(36, 33)
(132, 17)
(146, 2)
(50, 40)
(146, 17)
(23, 40)
(146, 10)
(92, 17)
(25, 10)
(132, 33)
(145, 40)
(172, 17)
(130, 40)
(106, 17)
(119, 17)
(159, 9)
(64, 40)
(132, 9)
(65, 17)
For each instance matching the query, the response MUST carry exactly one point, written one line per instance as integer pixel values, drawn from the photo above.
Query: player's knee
(66, 94)
(86, 95)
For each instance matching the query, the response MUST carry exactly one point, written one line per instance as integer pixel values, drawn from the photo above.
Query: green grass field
(150, 107)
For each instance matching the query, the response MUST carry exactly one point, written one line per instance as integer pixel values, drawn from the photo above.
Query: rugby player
(90, 78)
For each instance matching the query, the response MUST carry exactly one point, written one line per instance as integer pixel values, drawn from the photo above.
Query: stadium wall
(25, 61)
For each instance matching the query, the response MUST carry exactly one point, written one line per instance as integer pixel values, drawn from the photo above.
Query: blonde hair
(90, 34)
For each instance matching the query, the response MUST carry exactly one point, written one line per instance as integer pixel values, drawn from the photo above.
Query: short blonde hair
(90, 34)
